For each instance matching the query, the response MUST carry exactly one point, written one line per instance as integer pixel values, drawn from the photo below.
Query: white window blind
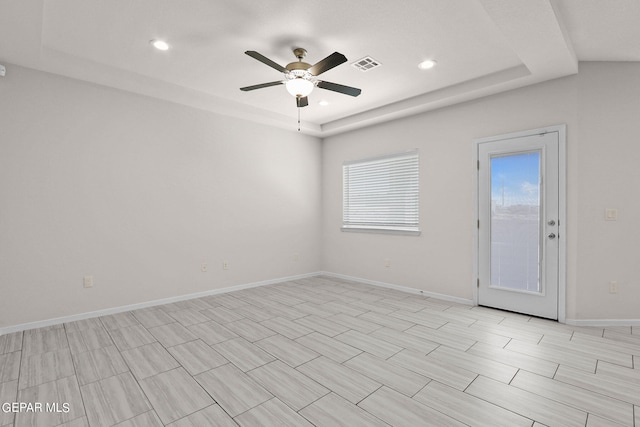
(381, 194)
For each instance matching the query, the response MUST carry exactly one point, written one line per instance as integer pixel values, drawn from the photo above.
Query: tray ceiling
(481, 47)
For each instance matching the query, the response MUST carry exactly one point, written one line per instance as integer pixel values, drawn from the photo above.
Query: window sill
(381, 231)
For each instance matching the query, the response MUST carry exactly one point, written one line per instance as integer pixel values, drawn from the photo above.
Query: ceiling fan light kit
(299, 81)
(299, 86)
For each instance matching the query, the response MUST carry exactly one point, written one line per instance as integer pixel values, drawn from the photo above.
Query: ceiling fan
(300, 78)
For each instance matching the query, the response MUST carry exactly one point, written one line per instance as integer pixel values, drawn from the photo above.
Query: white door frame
(562, 209)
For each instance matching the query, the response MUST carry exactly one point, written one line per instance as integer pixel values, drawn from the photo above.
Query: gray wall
(607, 176)
(138, 193)
(600, 106)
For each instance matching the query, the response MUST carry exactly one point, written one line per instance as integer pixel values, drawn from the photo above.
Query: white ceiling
(481, 46)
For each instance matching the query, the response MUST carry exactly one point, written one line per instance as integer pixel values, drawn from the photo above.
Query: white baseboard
(401, 288)
(121, 309)
(603, 322)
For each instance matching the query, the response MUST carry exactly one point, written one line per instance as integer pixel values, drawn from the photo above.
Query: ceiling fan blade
(260, 86)
(265, 60)
(347, 90)
(328, 63)
(302, 101)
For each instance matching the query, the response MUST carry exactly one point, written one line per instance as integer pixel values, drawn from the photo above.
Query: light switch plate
(611, 214)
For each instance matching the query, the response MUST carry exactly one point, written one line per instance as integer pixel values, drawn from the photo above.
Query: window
(381, 194)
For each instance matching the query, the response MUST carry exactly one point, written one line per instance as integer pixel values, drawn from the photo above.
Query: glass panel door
(518, 223)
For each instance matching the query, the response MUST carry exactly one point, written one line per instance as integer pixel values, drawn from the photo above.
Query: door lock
(552, 236)
(551, 222)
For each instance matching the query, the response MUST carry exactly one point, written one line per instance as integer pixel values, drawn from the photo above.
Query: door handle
(552, 236)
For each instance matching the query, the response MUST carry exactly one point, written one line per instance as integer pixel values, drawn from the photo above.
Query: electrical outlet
(87, 281)
(225, 265)
(387, 262)
(613, 287)
(204, 267)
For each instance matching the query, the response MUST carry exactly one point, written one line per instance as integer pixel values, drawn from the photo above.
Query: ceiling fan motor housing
(298, 66)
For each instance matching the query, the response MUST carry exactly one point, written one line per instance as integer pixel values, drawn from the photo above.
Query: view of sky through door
(515, 221)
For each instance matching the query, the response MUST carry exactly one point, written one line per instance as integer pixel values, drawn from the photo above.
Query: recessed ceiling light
(425, 65)
(323, 103)
(160, 44)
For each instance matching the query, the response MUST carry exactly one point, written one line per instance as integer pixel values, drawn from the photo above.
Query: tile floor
(321, 352)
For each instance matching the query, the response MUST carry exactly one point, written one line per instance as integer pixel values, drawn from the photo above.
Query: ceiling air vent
(365, 64)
